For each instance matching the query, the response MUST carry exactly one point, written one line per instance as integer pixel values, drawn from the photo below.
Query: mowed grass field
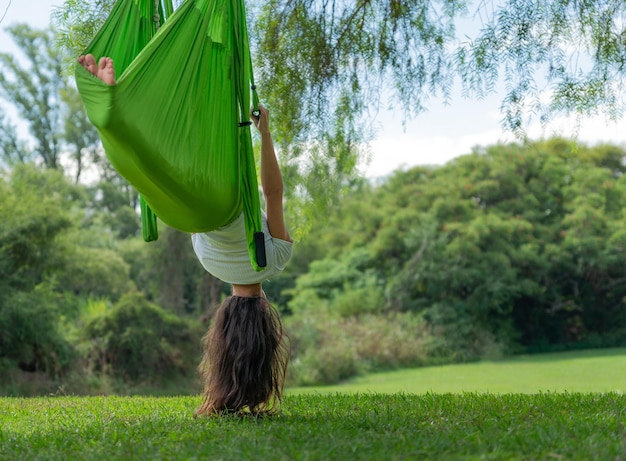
(602, 370)
(436, 424)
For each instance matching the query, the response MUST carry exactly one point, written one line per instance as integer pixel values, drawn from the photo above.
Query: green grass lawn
(581, 371)
(438, 425)
(320, 427)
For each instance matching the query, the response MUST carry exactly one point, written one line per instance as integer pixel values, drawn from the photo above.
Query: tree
(179, 283)
(512, 246)
(324, 51)
(80, 138)
(139, 340)
(30, 332)
(77, 23)
(13, 150)
(35, 90)
(34, 211)
(47, 103)
(326, 68)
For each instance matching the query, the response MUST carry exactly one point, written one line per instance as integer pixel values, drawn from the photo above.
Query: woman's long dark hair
(245, 358)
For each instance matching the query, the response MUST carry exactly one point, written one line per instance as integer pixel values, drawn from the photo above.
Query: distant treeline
(513, 248)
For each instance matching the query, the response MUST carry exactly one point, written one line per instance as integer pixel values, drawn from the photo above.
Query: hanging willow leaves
(325, 68)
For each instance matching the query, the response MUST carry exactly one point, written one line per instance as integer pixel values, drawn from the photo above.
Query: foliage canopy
(521, 246)
(327, 68)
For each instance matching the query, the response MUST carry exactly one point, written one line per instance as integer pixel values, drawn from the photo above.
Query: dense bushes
(34, 211)
(327, 347)
(138, 340)
(58, 259)
(512, 248)
(30, 335)
(95, 272)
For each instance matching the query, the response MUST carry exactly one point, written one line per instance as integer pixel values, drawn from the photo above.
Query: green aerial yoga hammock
(176, 123)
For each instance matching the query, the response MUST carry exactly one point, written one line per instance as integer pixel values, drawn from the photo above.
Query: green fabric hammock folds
(176, 123)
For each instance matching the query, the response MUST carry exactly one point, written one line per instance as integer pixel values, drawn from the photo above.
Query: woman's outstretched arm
(271, 178)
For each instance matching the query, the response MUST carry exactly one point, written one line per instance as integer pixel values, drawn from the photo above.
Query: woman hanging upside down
(246, 351)
(246, 354)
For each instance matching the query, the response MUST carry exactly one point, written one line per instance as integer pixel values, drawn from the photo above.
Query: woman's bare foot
(103, 70)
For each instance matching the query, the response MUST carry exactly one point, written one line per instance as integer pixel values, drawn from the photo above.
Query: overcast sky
(430, 138)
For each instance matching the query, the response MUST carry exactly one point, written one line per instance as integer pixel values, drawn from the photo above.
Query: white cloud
(435, 139)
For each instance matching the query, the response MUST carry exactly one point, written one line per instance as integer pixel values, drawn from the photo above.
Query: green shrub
(95, 272)
(30, 337)
(366, 298)
(137, 340)
(321, 353)
(390, 341)
(328, 348)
